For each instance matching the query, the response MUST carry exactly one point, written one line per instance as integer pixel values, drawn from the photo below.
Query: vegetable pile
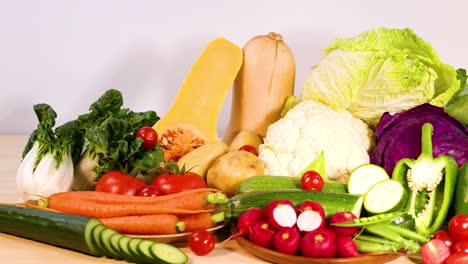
(372, 158)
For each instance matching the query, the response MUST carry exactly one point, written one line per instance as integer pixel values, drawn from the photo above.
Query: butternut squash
(265, 80)
(192, 118)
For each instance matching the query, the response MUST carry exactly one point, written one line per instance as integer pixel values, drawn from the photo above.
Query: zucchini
(84, 234)
(269, 183)
(331, 202)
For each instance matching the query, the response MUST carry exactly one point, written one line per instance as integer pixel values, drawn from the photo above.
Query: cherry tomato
(311, 180)
(149, 136)
(149, 191)
(435, 251)
(249, 148)
(460, 246)
(458, 227)
(457, 258)
(201, 242)
(168, 183)
(117, 182)
(444, 236)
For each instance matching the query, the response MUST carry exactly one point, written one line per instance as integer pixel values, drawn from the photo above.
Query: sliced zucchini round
(385, 196)
(364, 177)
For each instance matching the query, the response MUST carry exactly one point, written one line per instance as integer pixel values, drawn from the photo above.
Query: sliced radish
(311, 205)
(281, 213)
(262, 234)
(287, 240)
(309, 221)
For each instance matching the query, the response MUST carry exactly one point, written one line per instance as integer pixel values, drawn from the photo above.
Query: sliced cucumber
(364, 177)
(89, 238)
(106, 235)
(385, 196)
(166, 254)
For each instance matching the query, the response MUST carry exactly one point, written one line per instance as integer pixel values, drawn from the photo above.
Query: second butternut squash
(265, 80)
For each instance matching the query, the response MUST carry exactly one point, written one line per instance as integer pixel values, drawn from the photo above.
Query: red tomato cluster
(164, 184)
(448, 246)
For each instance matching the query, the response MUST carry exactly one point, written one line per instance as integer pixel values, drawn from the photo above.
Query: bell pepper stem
(426, 140)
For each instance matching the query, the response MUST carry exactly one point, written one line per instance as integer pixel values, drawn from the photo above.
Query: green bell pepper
(431, 184)
(461, 191)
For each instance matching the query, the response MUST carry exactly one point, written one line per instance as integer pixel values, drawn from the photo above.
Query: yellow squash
(265, 80)
(192, 119)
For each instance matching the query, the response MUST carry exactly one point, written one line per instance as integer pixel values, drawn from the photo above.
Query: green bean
(406, 233)
(383, 231)
(376, 239)
(364, 221)
(373, 247)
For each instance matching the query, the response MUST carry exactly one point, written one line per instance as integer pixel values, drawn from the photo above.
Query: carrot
(112, 198)
(154, 224)
(98, 210)
(201, 221)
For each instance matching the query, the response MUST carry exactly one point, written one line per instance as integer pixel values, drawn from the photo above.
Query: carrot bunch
(169, 214)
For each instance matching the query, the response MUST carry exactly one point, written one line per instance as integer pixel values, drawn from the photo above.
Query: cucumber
(385, 196)
(269, 183)
(84, 234)
(364, 177)
(331, 202)
(63, 230)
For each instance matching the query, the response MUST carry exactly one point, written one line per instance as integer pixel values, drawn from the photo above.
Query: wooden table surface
(18, 250)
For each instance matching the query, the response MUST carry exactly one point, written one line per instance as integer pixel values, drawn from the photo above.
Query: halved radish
(311, 205)
(287, 240)
(310, 220)
(262, 234)
(281, 213)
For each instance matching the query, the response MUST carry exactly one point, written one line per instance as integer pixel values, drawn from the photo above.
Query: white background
(67, 53)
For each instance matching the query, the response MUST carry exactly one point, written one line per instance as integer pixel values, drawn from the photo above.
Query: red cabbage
(399, 136)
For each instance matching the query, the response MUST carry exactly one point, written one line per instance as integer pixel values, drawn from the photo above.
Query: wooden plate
(280, 258)
(175, 238)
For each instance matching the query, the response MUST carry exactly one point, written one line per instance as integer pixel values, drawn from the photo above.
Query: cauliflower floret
(294, 141)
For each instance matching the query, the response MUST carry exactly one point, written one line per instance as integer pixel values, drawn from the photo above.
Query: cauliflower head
(294, 141)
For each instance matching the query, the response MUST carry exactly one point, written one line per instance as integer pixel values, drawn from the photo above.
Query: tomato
(444, 236)
(201, 242)
(249, 148)
(149, 136)
(460, 246)
(458, 227)
(118, 182)
(457, 258)
(311, 180)
(434, 251)
(149, 191)
(168, 183)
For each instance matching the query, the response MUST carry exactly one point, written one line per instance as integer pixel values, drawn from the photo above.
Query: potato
(229, 170)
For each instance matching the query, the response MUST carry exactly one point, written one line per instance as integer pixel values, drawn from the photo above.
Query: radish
(287, 240)
(262, 234)
(281, 213)
(346, 247)
(318, 244)
(311, 205)
(246, 221)
(310, 220)
(340, 217)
